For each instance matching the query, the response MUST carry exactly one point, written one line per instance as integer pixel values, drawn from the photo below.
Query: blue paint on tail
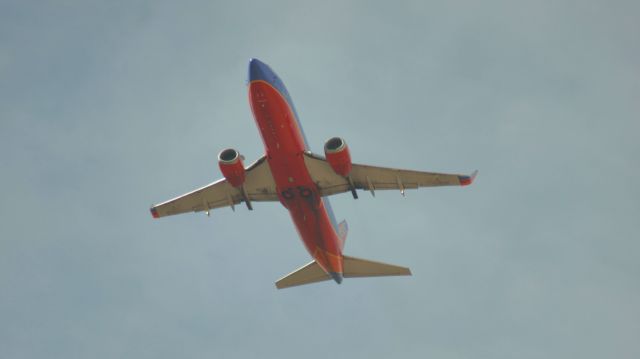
(336, 276)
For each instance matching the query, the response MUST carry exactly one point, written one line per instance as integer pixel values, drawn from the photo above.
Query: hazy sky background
(107, 107)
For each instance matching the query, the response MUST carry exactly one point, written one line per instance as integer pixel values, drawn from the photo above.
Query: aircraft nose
(258, 70)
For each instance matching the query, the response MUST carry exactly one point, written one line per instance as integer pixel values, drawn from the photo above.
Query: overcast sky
(107, 107)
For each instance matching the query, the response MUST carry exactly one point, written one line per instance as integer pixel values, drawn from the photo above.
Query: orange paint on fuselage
(284, 147)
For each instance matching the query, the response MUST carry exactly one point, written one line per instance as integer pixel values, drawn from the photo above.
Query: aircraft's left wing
(258, 186)
(374, 178)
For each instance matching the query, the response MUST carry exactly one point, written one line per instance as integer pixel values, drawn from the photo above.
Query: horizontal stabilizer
(352, 268)
(310, 273)
(356, 267)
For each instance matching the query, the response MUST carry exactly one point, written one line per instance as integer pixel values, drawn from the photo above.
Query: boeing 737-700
(301, 181)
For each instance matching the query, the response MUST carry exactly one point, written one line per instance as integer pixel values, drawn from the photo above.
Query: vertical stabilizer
(343, 229)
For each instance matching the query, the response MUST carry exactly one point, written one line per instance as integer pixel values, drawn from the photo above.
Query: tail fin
(356, 267)
(310, 273)
(343, 229)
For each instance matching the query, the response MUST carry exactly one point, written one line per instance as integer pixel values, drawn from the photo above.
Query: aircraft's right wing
(373, 178)
(259, 186)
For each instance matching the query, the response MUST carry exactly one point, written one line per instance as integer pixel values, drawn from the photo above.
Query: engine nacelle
(337, 153)
(231, 166)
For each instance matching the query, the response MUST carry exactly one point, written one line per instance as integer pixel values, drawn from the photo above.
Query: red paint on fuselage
(284, 146)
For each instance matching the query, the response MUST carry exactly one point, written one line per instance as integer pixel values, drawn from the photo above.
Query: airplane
(301, 181)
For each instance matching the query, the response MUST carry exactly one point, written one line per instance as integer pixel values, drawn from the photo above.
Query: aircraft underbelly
(284, 145)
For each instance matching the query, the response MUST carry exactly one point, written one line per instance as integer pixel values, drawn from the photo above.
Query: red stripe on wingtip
(467, 180)
(154, 213)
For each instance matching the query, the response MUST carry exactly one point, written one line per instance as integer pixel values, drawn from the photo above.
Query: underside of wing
(259, 186)
(373, 178)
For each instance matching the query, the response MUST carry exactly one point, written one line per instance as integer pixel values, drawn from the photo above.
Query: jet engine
(337, 153)
(231, 166)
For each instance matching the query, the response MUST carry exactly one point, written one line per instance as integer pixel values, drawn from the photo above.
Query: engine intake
(231, 166)
(337, 153)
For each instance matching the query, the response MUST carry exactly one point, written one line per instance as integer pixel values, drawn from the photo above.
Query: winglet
(154, 212)
(467, 180)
